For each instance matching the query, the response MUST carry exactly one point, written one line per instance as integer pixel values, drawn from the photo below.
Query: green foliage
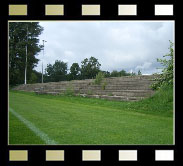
(106, 73)
(104, 85)
(133, 74)
(33, 78)
(36, 77)
(114, 73)
(161, 101)
(57, 71)
(90, 68)
(139, 72)
(121, 73)
(166, 77)
(74, 71)
(165, 94)
(18, 40)
(99, 78)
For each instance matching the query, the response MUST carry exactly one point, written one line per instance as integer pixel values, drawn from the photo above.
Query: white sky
(128, 45)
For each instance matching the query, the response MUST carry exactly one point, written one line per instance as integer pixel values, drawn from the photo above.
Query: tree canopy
(57, 71)
(90, 68)
(74, 71)
(121, 73)
(20, 35)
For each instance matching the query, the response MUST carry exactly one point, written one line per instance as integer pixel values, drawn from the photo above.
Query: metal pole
(42, 60)
(26, 58)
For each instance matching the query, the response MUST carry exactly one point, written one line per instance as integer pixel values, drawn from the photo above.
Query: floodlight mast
(25, 82)
(43, 57)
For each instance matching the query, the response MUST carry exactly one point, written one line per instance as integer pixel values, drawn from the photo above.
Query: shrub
(99, 78)
(104, 85)
(166, 77)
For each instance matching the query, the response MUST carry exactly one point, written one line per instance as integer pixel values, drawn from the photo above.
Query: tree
(36, 77)
(114, 73)
(139, 72)
(74, 71)
(18, 39)
(133, 74)
(57, 71)
(166, 77)
(106, 73)
(90, 68)
(123, 73)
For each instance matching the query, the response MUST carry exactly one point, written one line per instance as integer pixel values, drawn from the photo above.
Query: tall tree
(114, 73)
(74, 71)
(139, 72)
(90, 67)
(57, 71)
(20, 35)
(123, 73)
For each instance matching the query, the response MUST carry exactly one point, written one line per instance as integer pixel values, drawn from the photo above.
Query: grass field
(46, 119)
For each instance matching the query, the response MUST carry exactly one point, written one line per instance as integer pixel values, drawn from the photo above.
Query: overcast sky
(117, 45)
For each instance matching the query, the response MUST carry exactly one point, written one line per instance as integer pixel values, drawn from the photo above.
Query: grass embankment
(77, 120)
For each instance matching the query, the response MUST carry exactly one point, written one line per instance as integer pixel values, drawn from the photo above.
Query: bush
(104, 85)
(99, 78)
(163, 96)
(166, 77)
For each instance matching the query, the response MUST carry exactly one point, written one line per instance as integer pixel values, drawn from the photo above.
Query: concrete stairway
(127, 88)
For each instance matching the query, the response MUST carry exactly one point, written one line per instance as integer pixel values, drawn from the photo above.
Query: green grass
(78, 120)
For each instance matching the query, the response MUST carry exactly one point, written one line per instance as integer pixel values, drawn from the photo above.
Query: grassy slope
(76, 120)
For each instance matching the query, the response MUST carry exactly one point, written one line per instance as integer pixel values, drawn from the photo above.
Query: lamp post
(43, 57)
(25, 82)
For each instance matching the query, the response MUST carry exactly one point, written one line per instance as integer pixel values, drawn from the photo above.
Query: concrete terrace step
(130, 79)
(115, 98)
(128, 88)
(112, 83)
(99, 88)
(93, 86)
(121, 82)
(131, 93)
(128, 93)
(44, 92)
(119, 87)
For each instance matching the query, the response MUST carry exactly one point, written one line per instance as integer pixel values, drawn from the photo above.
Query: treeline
(88, 70)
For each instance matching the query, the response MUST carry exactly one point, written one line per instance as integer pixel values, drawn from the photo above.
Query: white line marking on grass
(33, 128)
